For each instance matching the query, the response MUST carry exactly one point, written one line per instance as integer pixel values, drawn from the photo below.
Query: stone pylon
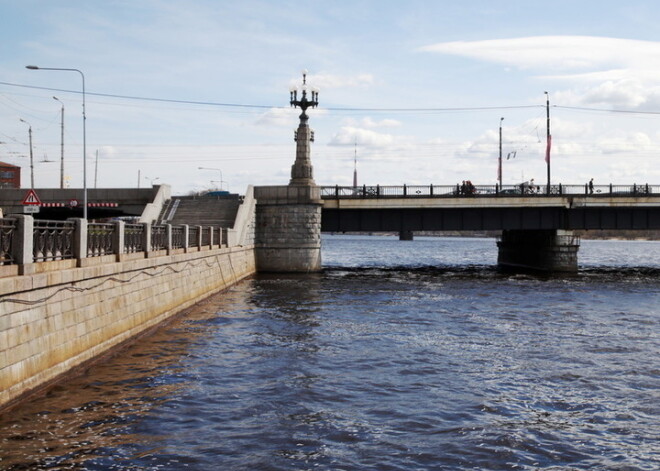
(302, 172)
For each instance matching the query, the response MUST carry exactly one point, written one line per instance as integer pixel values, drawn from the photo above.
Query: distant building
(10, 176)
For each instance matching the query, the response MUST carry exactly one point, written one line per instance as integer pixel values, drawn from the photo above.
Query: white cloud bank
(598, 70)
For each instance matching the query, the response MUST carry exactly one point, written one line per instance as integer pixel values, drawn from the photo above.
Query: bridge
(411, 208)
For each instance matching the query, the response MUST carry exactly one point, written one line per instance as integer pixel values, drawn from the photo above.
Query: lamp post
(217, 170)
(499, 162)
(301, 171)
(34, 67)
(61, 144)
(548, 144)
(31, 159)
(152, 180)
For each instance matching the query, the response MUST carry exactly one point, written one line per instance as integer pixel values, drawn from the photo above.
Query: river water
(399, 356)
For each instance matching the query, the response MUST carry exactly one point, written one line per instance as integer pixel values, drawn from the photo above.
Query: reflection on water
(401, 355)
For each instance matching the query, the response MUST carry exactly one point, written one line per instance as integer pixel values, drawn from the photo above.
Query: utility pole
(548, 138)
(96, 168)
(499, 162)
(31, 159)
(61, 144)
(355, 181)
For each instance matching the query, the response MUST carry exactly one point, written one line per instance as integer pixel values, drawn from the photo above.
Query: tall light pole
(31, 159)
(217, 170)
(499, 162)
(34, 67)
(548, 137)
(61, 144)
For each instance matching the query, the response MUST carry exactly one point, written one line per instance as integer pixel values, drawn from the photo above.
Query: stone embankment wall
(56, 320)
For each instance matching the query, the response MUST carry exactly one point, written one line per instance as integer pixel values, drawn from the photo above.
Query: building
(10, 176)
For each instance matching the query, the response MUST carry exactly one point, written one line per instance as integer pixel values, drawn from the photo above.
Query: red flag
(547, 150)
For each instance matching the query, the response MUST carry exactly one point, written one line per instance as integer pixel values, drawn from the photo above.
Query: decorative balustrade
(158, 237)
(133, 238)
(52, 240)
(178, 237)
(100, 239)
(193, 236)
(27, 240)
(7, 230)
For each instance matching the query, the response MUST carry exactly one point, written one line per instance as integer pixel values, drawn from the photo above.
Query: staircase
(201, 210)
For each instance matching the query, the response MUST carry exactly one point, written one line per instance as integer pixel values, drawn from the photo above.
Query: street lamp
(301, 171)
(217, 170)
(499, 164)
(31, 160)
(34, 67)
(61, 144)
(152, 180)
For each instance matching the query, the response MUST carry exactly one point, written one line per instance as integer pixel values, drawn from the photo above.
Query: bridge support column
(539, 250)
(288, 228)
(405, 235)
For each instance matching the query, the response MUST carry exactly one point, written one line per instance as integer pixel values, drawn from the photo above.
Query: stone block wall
(288, 238)
(62, 317)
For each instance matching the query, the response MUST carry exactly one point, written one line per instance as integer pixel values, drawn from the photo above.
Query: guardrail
(24, 240)
(469, 190)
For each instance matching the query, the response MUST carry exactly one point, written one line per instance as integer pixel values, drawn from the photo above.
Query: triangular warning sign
(31, 198)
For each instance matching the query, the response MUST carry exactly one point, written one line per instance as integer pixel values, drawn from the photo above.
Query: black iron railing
(52, 240)
(469, 190)
(99, 239)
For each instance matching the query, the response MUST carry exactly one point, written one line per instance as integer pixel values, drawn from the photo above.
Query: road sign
(31, 198)
(31, 209)
(73, 202)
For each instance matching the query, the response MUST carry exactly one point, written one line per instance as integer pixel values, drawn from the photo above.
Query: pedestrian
(591, 186)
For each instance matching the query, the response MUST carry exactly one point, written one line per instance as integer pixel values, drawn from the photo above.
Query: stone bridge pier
(538, 250)
(288, 218)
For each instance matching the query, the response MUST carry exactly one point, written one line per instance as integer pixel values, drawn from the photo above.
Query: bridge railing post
(118, 237)
(561, 190)
(405, 192)
(146, 238)
(377, 190)
(610, 189)
(80, 239)
(168, 238)
(364, 191)
(431, 189)
(186, 237)
(336, 191)
(23, 243)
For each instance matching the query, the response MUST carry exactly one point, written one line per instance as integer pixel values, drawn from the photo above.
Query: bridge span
(447, 208)
(536, 222)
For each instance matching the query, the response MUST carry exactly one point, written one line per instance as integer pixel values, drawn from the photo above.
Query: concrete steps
(201, 210)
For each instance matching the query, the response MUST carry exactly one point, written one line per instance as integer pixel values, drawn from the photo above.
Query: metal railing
(26, 240)
(193, 237)
(133, 238)
(100, 239)
(7, 230)
(52, 240)
(178, 237)
(158, 237)
(469, 190)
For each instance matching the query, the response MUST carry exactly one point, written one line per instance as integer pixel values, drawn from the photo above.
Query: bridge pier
(538, 250)
(288, 229)
(406, 235)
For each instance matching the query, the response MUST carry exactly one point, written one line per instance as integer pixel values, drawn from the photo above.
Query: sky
(413, 91)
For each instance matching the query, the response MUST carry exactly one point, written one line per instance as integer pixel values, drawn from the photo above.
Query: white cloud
(286, 117)
(557, 52)
(349, 135)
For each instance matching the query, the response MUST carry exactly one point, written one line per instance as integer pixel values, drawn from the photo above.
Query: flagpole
(548, 138)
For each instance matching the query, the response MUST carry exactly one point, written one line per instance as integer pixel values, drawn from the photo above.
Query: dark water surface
(399, 356)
